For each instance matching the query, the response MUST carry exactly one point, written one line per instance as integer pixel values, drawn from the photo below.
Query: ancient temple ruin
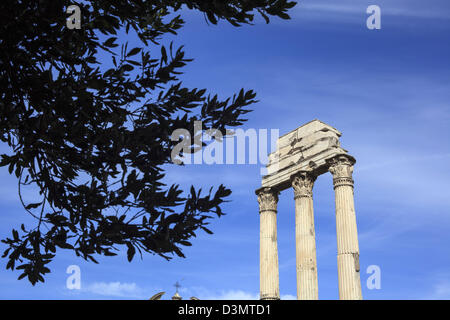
(301, 156)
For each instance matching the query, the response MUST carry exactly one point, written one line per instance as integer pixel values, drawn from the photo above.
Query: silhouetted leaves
(88, 123)
(131, 251)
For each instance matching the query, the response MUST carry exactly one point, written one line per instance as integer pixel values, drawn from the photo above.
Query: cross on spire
(177, 285)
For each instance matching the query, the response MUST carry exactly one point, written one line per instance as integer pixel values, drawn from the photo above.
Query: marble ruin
(301, 156)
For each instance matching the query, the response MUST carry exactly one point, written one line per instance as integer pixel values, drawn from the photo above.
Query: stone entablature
(306, 148)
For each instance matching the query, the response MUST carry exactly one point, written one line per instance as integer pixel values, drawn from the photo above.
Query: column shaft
(307, 286)
(269, 277)
(346, 230)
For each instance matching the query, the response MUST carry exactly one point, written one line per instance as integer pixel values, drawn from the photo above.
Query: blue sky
(386, 90)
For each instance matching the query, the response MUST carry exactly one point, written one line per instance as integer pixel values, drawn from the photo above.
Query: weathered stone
(268, 249)
(305, 238)
(304, 149)
(301, 156)
(341, 167)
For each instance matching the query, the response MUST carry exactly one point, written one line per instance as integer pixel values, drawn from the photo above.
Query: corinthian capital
(341, 167)
(267, 199)
(303, 183)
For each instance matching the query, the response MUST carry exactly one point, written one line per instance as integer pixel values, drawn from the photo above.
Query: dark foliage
(94, 141)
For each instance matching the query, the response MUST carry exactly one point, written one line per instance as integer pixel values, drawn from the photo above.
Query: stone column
(305, 238)
(268, 251)
(341, 168)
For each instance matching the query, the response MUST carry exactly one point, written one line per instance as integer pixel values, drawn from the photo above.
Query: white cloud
(441, 291)
(288, 297)
(441, 288)
(205, 294)
(116, 289)
(412, 9)
(233, 295)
